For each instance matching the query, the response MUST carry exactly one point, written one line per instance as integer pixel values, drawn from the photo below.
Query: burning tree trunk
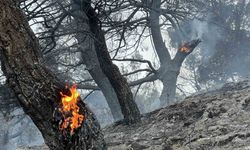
(168, 74)
(170, 68)
(36, 88)
(129, 108)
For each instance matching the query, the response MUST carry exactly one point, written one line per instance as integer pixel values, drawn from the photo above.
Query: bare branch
(139, 60)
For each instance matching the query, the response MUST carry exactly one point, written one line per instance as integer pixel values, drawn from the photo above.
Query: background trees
(150, 19)
(223, 56)
(230, 58)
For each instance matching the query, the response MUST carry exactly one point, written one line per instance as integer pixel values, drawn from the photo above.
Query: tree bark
(89, 58)
(108, 91)
(169, 87)
(168, 74)
(129, 108)
(155, 28)
(169, 69)
(35, 87)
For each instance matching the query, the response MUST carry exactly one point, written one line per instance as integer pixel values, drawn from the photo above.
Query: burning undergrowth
(67, 113)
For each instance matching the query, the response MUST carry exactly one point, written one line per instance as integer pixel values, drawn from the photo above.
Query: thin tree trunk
(169, 90)
(108, 91)
(129, 108)
(165, 74)
(155, 28)
(35, 87)
(89, 58)
(168, 75)
(169, 69)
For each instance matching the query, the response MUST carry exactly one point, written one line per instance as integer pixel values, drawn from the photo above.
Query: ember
(70, 110)
(184, 48)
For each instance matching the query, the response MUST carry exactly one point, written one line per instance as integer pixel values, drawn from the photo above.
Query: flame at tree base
(70, 110)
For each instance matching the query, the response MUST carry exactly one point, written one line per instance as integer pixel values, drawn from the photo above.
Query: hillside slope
(218, 120)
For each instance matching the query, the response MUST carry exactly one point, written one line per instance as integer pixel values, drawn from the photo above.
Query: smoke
(18, 132)
(209, 33)
(224, 50)
(199, 28)
(98, 104)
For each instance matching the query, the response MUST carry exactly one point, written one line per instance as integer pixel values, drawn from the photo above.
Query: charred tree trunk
(91, 62)
(169, 80)
(168, 74)
(35, 87)
(170, 68)
(89, 57)
(129, 108)
(108, 91)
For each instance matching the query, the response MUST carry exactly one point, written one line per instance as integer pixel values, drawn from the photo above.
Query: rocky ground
(34, 148)
(215, 120)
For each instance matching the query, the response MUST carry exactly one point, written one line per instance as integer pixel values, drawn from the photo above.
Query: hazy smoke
(209, 33)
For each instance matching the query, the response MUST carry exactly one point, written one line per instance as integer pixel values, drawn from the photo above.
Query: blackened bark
(108, 91)
(35, 87)
(169, 87)
(129, 108)
(170, 68)
(168, 74)
(155, 28)
(89, 58)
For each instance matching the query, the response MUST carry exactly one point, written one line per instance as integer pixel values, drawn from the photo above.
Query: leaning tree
(68, 19)
(125, 97)
(39, 92)
(141, 19)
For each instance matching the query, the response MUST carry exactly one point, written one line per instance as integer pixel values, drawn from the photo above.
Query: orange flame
(70, 110)
(184, 48)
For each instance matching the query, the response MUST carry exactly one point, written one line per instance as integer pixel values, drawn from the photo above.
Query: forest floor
(215, 120)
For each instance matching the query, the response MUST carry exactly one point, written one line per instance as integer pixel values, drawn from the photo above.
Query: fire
(70, 110)
(184, 48)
